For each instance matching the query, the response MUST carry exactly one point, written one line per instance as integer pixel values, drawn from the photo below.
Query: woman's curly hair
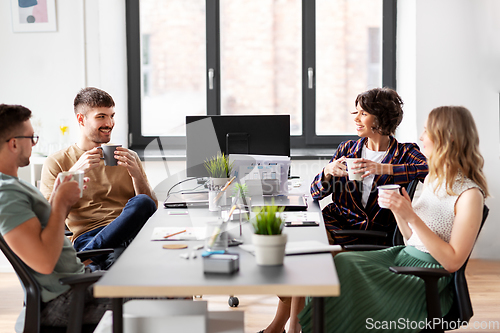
(387, 107)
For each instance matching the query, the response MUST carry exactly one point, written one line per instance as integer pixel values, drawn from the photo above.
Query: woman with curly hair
(381, 159)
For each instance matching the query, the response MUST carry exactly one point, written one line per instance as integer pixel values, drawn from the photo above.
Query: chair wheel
(233, 301)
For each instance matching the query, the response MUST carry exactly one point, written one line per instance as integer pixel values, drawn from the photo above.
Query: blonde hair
(456, 147)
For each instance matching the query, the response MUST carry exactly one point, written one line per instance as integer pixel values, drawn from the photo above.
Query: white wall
(448, 54)
(45, 70)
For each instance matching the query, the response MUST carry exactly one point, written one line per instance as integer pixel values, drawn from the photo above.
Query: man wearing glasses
(34, 227)
(34, 140)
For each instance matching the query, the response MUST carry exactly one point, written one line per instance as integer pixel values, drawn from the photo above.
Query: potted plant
(219, 169)
(240, 193)
(218, 166)
(268, 240)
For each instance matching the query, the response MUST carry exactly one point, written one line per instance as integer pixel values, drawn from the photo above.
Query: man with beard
(118, 200)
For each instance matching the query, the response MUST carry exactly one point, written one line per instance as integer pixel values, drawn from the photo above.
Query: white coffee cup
(350, 169)
(390, 187)
(75, 176)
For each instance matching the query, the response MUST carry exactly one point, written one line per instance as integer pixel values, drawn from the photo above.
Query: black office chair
(383, 239)
(461, 309)
(32, 297)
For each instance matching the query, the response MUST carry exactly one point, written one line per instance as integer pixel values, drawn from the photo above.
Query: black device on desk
(302, 224)
(291, 202)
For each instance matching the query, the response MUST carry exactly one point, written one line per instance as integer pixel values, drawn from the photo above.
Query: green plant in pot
(219, 169)
(268, 239)
(240, 190)
(218, 166)
(240, 194)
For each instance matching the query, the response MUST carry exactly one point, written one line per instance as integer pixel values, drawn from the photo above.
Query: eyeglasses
(34, 138)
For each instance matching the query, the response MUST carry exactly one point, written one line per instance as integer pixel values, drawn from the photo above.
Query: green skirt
(373, 299)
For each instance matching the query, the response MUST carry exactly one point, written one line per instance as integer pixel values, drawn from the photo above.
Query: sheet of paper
(192, 233)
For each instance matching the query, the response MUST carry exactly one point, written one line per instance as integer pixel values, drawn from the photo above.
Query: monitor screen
(234, 134)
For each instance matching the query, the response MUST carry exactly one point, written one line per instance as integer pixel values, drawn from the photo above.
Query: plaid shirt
(346, 210)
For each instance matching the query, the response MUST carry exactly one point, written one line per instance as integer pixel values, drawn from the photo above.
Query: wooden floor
(483, 278)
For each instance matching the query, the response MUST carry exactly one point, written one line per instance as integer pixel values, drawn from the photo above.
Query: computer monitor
(234, 134)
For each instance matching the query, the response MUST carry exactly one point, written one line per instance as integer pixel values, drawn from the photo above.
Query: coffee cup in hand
(350, 169)
(75, 176)
(108, 153)
(390, 187)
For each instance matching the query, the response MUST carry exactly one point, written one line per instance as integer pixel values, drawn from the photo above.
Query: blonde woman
(439, 230)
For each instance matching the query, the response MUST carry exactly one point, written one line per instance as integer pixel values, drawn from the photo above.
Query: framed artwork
(33, 15)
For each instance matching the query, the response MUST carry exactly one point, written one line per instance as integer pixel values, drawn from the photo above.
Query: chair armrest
(363, 247)
(82, 278)
(79, 284)
(360, 233)
(83, 255)
(421, 272)
(430, 277)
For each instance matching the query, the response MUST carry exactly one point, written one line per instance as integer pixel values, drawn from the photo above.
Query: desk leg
(117, 315)
(318, 315)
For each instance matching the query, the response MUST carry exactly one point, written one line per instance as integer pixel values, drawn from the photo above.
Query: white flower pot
(269, 249)
(214, 187)
(217, 183)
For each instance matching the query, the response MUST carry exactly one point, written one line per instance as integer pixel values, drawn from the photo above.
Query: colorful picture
(33, 15)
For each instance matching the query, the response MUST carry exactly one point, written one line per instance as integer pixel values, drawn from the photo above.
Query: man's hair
(89, 98)
(11, 119)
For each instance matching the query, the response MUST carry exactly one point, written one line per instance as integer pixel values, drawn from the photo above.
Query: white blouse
(437, 209)
(377, 157)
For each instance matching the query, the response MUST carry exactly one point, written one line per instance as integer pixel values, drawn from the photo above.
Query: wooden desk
(145, 269)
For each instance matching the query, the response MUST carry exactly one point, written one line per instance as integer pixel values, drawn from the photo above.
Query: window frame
(308, 139)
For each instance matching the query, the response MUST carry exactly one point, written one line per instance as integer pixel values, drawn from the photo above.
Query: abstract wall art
(33, 15)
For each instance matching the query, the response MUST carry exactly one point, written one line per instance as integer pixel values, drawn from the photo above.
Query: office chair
(32, 294)
(367, 236)
(461, 309)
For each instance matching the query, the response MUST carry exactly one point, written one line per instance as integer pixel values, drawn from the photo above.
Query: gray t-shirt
(21, 201)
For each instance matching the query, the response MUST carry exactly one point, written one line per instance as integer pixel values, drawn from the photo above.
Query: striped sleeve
(415, 166)
(320, 189)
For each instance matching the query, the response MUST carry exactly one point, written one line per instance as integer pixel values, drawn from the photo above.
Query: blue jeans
(119, 233)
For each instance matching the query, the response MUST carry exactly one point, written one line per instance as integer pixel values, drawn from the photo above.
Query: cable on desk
(190, 191)
(182, 181)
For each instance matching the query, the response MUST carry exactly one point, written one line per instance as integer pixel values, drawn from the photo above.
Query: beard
(23, 161)
(95, 136)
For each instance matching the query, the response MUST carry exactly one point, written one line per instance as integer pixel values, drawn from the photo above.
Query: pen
(224, 188)
(230, 212)
(175, 233)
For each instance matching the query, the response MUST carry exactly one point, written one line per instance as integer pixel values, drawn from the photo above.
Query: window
(306, 58)
(261, 58)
